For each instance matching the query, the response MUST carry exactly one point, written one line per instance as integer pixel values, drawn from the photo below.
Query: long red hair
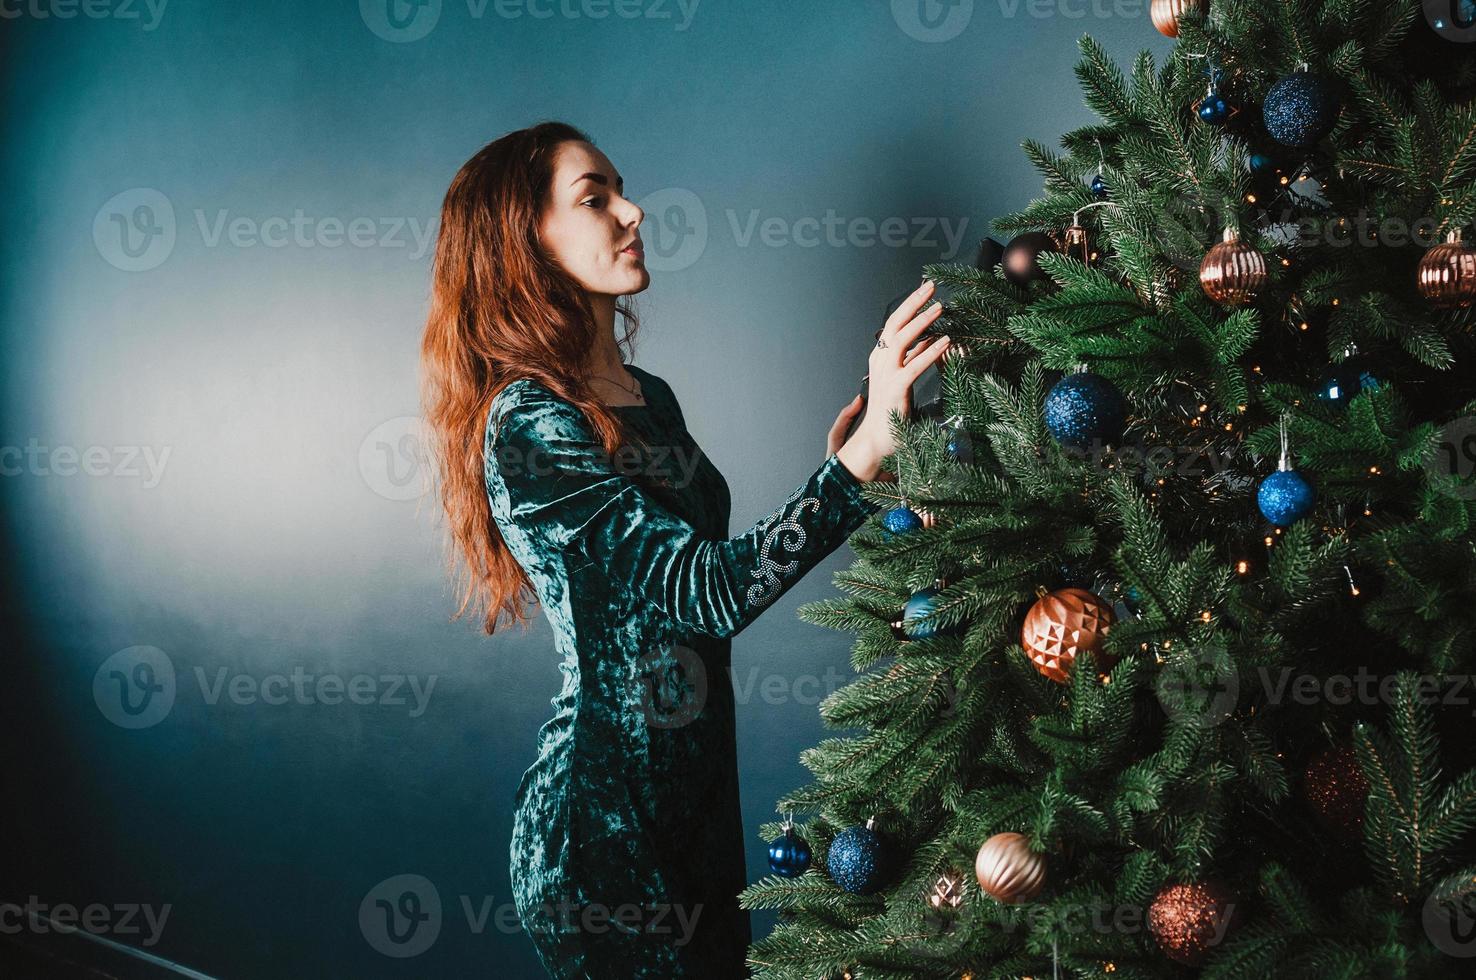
(501, 308)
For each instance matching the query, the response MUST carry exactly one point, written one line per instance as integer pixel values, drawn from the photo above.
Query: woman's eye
(594, 200)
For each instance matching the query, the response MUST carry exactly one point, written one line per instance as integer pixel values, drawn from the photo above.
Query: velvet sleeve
(564, 492)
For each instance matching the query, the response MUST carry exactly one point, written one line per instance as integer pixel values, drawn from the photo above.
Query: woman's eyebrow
(599, 179)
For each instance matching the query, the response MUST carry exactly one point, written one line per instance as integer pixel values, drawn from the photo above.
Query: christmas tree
(1172, 680)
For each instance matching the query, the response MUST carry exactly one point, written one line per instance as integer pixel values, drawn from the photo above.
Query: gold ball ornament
(1064, 625)
(1448, 274)
(1189, 920)
(1009, 870)
(1166, 14)
(1232, 272)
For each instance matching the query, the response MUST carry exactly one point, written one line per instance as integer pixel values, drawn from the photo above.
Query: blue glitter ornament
(1285, 497)
(857, 860)
(1099, 188)
(1083, 409)
(922, 604)
(789, 856)
(1214, 110)
(901, 520)
(1301, 109)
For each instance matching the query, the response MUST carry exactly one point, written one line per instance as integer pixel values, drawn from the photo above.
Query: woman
(556, 460)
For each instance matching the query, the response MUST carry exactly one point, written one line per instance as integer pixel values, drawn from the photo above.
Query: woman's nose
(631, 213)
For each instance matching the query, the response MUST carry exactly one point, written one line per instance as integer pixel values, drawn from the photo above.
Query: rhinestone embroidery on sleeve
(769, 570)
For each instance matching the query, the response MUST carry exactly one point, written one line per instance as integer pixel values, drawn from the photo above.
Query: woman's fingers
(908, 309)
(925, 358)
(911, 330)
(837, 435)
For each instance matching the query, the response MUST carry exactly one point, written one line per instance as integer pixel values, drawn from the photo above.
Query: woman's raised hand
(895, 365)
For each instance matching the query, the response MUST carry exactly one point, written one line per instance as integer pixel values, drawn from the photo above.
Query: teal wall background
(220, 219)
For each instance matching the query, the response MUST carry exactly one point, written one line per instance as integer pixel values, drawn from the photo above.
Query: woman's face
(588, 225)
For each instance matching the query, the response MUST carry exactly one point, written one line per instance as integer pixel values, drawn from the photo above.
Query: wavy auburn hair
(501, 308)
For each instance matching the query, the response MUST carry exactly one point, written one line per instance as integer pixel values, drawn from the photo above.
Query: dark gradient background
(209, 429)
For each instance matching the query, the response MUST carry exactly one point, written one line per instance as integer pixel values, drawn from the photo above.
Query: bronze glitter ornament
(1232, 272)
(1166, 14)
(1008, 870)
(1448, 274)
(1336, 789)
(1062, 626)
(1189, 921)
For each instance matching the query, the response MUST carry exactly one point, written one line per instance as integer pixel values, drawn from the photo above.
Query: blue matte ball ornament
(1083, 409)
(1214, 110)
(1285, 497)
(789, 856)
(922, 604)
(1301, 109)
(857, 860)
(1262, 164)
(901, 520)
(960, 445)
(1343, 382)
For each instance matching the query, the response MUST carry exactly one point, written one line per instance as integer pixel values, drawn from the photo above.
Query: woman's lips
(637, 250)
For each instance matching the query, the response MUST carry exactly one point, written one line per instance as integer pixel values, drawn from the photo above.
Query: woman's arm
(563, 492)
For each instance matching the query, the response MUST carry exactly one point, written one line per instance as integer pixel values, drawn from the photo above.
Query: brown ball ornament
(1336, 789)
(1448, 274)
(1232, 272)
(1189, 920)
(1009, 870)
(1019, 261)
(1062, 626)
(1166, 13)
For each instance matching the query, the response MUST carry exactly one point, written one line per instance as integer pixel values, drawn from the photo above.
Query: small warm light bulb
(1243, 567)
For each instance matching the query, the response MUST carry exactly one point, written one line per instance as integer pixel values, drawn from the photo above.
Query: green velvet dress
(627, 851)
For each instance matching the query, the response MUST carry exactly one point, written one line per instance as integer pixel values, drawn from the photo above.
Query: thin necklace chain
(636, 391)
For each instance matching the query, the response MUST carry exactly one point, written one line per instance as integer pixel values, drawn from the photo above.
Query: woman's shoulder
(528, 405)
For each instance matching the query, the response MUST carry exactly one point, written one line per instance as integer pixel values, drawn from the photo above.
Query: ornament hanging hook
(1285, 462)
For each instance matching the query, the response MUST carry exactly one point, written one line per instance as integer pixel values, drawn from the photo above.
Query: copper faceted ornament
(1232, 272)
(1448, 274)
(1063, 625)
(1166, 14)
(1009, 870)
